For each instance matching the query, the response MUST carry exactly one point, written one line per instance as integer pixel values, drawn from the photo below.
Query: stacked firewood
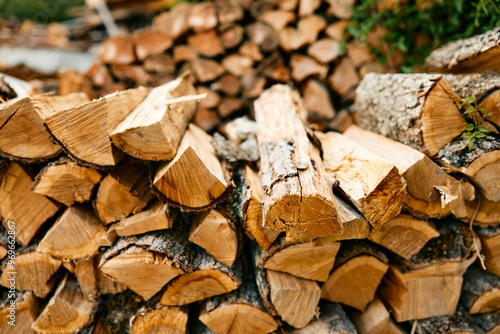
(128, 217)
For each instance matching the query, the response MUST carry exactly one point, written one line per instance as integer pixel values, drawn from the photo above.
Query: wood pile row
(128, 217)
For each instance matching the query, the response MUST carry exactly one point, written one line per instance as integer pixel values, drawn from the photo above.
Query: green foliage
(417, 31)
(473, 131)
(40, 11)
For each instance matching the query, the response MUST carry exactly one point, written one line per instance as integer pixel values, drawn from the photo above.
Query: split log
(203, 16)
(99, 74)
(159, 319)
(195, 179)
(341, 8)
(209, 278)
(291, 39)
(155, 128)
(124, 191)
(76, 234)
(420, 172)
(131, 73)
(324, 50)
(273, 67)
(231, 35)
(298, 195)
(229, 105)
(359, 54)
(21, 317)
(404, 235)
(20, 206)
(480, 291)
(481, 164)
(66, 182)
(304, 67)
(117, 50)
(67, 311)
(83, 131)
(150, 42)
(458, 323)
(370, 182)
(419, 110)
(206, 43)
(307, 7)
(336, 30)
(311, 26)
(489, 322)
(239, 311)
(22, 135)
(184, 53)
(375, 319)
(429, 284)
(237, 64)
(342, 121)
(227, 84)
(205, 70)
(473, 54)
(160, 64)
(86, 275)
(229, 11)
(31, 271)
(116, 312)
(332, 320)
(487, 213)
(317, 102)
(252, 51)
(174, 23)
(344, 79)
(359, 266)
(158, 216)
(146, 263)
(278, 19)
(225, 247)
(490, 242)
(263, 36)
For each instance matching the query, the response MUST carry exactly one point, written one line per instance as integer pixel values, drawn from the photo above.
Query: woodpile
(168, 209)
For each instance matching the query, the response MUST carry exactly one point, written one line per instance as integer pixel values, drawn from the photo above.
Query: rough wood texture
(297, 191)
(419, 110)
(473, 54)
(26, 310)
(83, 131)
(158, 216)
(155, 128)
(22, 135)
(459, 323)
(209, 278)
(160, 319)
(421, 173)
(490, 242)
(194, 179)
(374, 320)
(75, 235)
(360, 267)
(371, 183)
(480, 291)
(66, 182)
(404, 235)
(20, 205)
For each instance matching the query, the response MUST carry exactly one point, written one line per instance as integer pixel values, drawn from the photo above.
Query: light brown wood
(156, 217)
(404, 235)
(263, 36)
(228, 84)
(251, 50)
(344, 78)
(304, 67)
(86, 275)
(231, 35)
(150, 42)
(174, 23)
(124, 191)
(480, 291)
(224, 247)
(75, 235)
(311, 26)
(67, 311)
(237, 64)
(206, 43)
(203, 16)
(160, 319)
(342, 121)
(374, 320)
(26, 310)
(184, 53)
(154, 130)
(66, 182)
(22, 135)
(91, 145)
(317, 101)
(341, 8)
(20, 206)
(336, 30)
(370, 182)
(160, 64)
(131, 73)
(278, 19)
(307, 7)
(291, 39)
(194, 179)
(324, 50)
(359, 54)
(229, 11)
(206, 70)
(490, 242)
(252, 84)
(117, 50)
(298, 198)
(487, 214)
(99, 74)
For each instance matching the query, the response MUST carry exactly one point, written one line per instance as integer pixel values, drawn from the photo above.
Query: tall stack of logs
(130, 218)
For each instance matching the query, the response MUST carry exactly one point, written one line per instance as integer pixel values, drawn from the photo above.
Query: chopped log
(147, 262)
(342, 121)
(459, 323)
(487, 213)
(241, 132)
(159, 319)
(341, 8)
(228, 84)
(434, 274)
(304, 67)
(490, 242)
(99, 74)
(229, 105)
(344, 78)
(160, 64)
(252, 85)
(237, 64)
(195, 180)
(336, 30)
(91, 145)
(117, 50)
(203, 16)
(421, 173)
(473, 54)
(278, 19)
(209, 278)
(123, 191)
(241, 310)
(311, 26)
(22, 135)
(206, 70)
(251, 50)
(291, 39)
(481, 164)
(150, 42)
(419, 110)
(211, 101)
(154, 130)
(325, 50)
(307, 7)
(206, 43)
(157, 217)
(404, 235)
(489, 322)
(184, 53)
(298, 198)
(75, 235)
(370, 182)
(66, 182)
(31, 271)
(274, 68)
(359, 266)
(231, 35)
(262, 35)
(480, 291)
(332, 320)
(375, 319)
(206, 119)
(372, 67)
(20, 207)
(19, 319)
(205, 226)
(131, 73)
(288, 4)
(86, 275)
(304, 260)
(67, 311)
(229, 11)
(174, 23)
(359, 54)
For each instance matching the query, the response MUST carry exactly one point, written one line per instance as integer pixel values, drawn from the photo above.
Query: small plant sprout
(474, 130)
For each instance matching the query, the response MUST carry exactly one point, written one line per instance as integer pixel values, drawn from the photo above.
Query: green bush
(40, 11)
